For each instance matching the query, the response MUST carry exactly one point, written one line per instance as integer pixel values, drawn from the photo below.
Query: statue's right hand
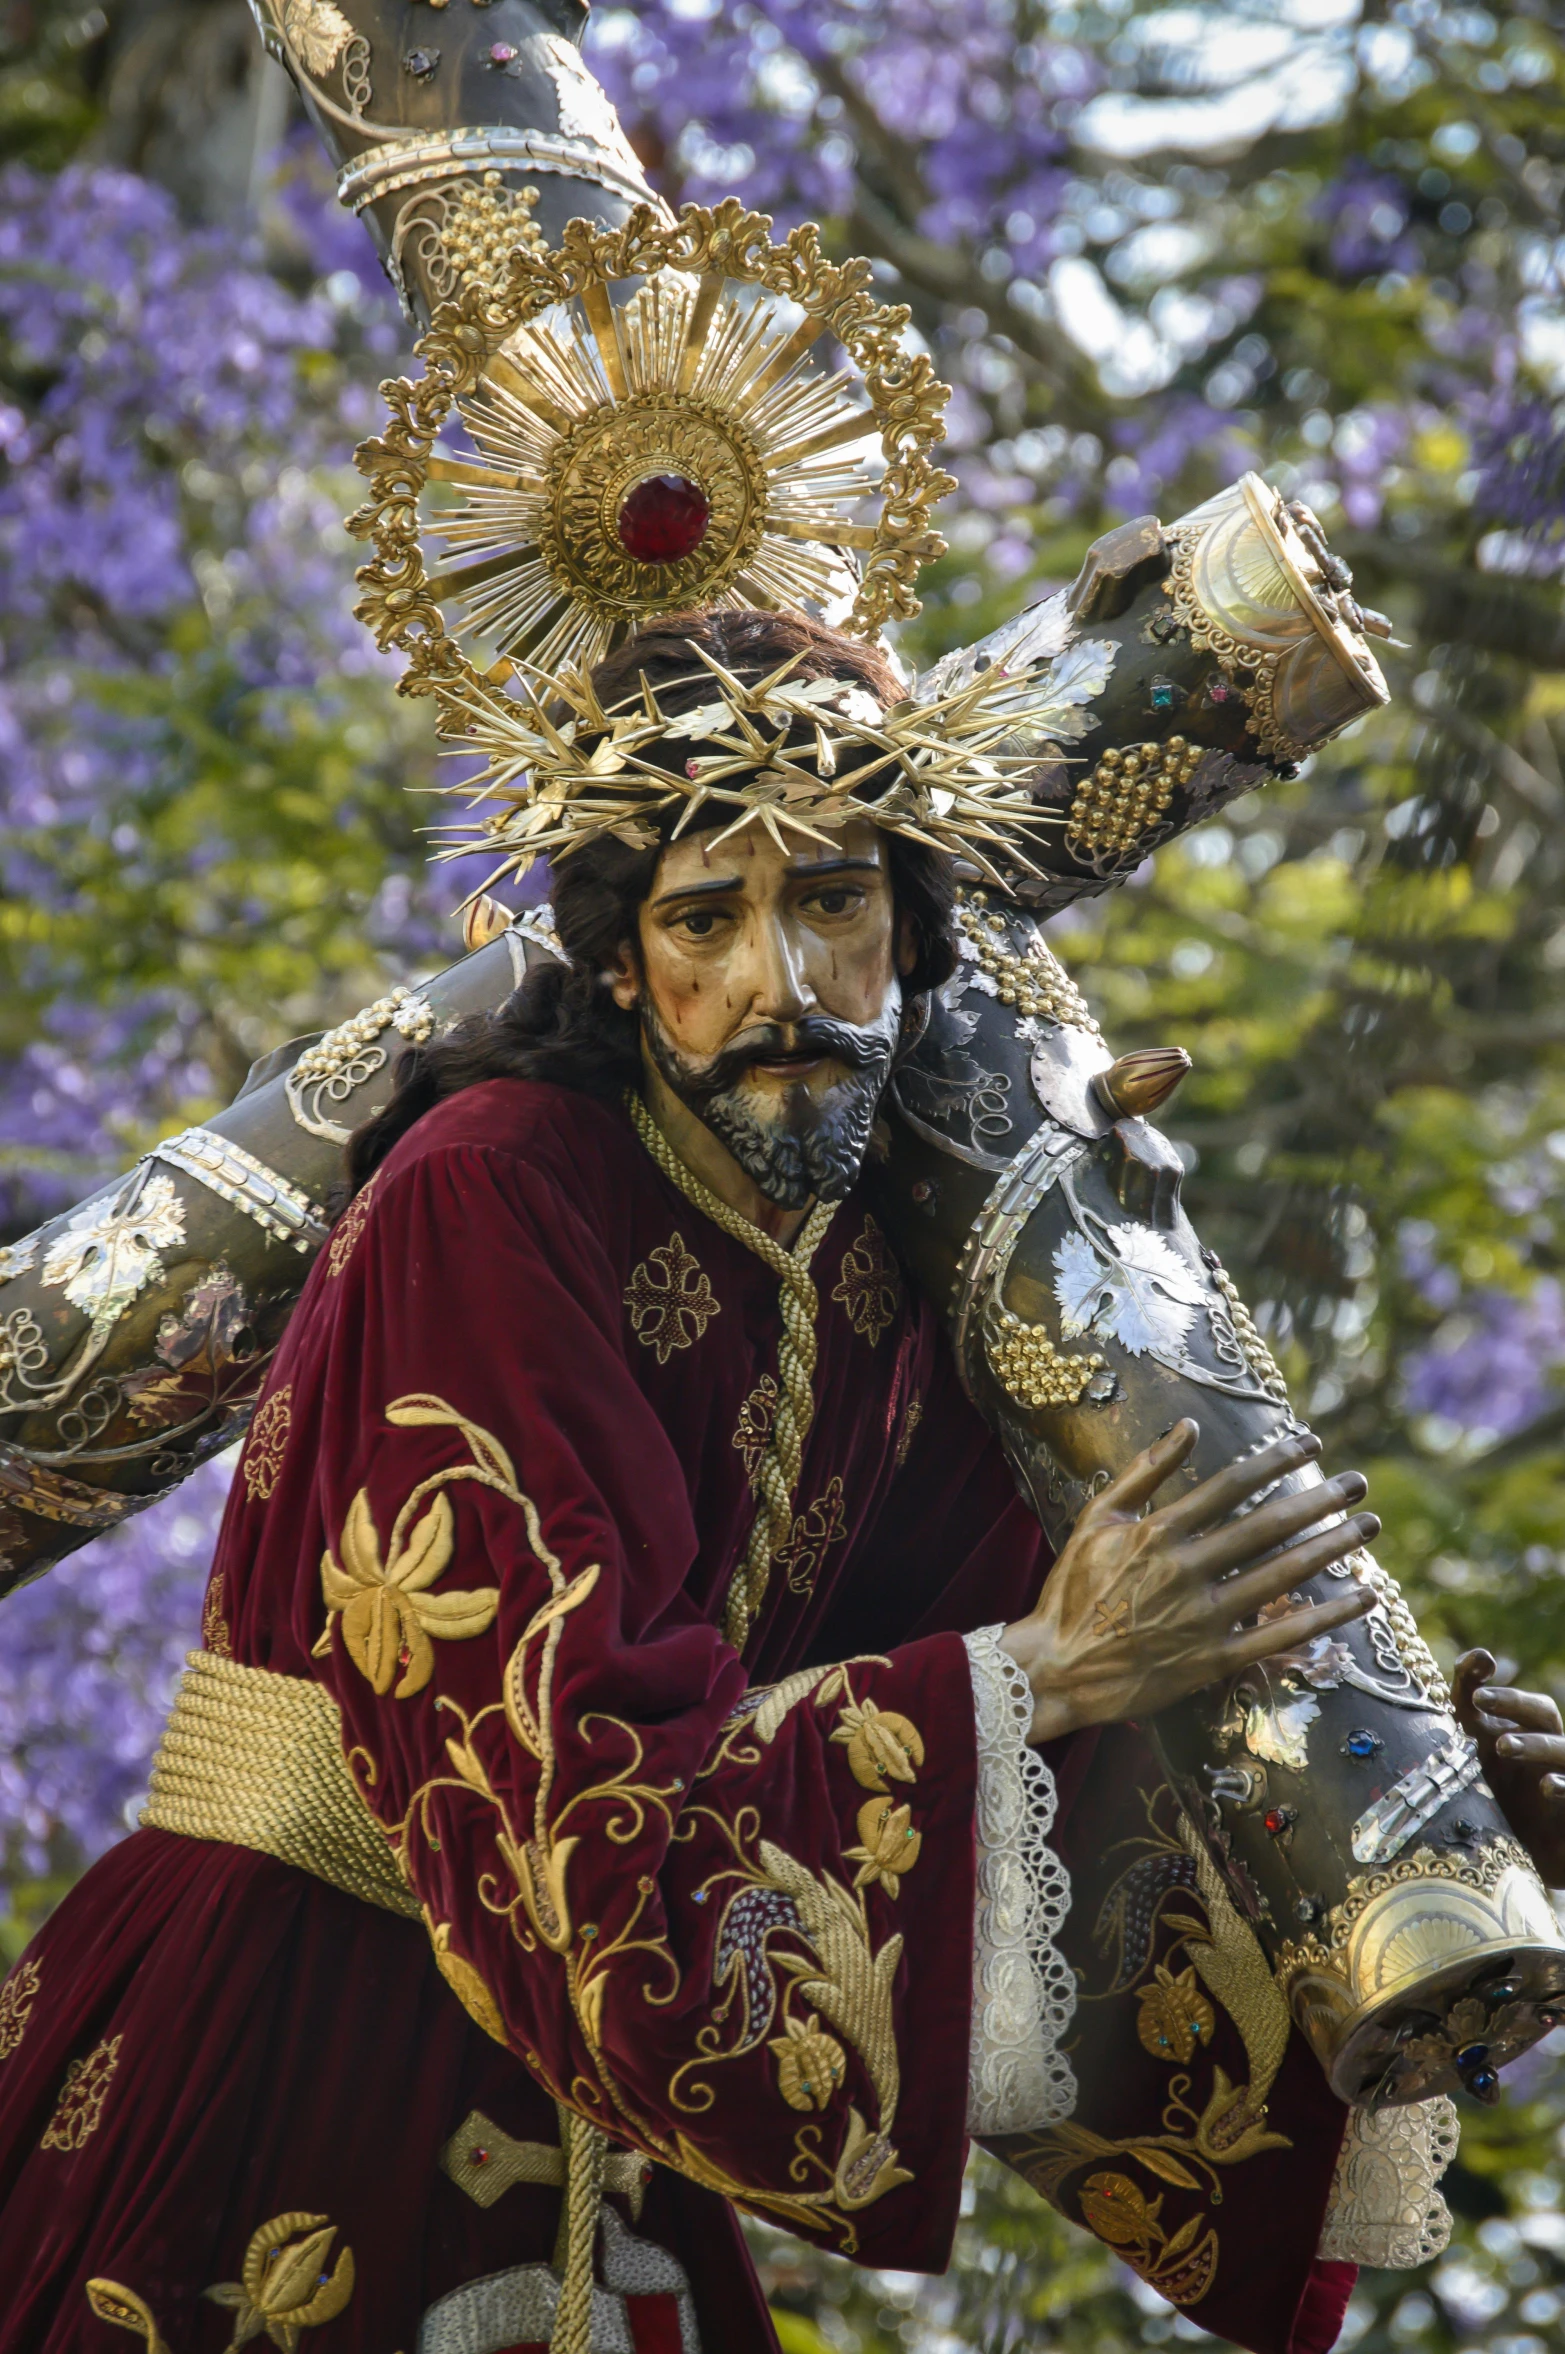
(1143, 1607)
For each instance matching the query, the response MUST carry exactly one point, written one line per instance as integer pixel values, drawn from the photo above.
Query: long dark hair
(562, 1024)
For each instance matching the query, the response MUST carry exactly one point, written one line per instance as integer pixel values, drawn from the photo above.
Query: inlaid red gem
(663, 519)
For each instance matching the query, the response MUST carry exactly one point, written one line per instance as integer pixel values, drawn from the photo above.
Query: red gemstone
(479, 2157)
(1275, 1820)
(664, 519)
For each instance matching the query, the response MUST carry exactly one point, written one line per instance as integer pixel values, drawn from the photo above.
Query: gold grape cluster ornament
(637, 425)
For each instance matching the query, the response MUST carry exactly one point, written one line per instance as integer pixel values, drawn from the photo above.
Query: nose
(780, 989)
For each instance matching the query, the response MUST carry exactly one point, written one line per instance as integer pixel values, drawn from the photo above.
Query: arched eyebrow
(718, 885)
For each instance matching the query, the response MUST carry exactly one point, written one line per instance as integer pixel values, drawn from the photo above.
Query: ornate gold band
(256, 1759)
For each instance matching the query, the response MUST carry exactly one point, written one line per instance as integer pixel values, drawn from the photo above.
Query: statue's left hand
(1521, 1744)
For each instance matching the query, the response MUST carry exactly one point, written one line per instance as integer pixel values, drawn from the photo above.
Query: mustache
(811, 1035)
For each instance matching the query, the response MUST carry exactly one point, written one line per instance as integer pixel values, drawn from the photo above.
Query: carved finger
(1470, 1671)
(1506, 1705)
(1240, 1597)
(1531, 1749)
(1240, 1542)
(1145, 1473)
(1216, 1497)
(1303, 1627)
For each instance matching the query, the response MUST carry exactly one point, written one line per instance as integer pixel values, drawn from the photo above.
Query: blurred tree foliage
(1149, 246)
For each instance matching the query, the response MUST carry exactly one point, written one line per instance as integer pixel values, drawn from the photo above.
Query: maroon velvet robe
(492, 1500)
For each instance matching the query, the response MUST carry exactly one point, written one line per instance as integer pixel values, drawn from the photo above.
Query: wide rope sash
(256, 1759)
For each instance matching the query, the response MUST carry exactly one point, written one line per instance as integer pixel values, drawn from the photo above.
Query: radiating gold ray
(443, 469)
(511, 603)
(858, 427)
(793, 410)
(786, 357)
(566, 371)
(596, 303)
(470, 529)
(708, 296)
(508, 434)
(731, 358)
(460, 580)
(503, 375)
(826, 527)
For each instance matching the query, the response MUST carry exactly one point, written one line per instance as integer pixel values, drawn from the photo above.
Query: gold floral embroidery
(888, 1845)
(1180, 2267)
(349, 1227)
(214, 1626)
(869, 1286)
(822, 1524)
(910, 1422)
(667, 1310)
(79, 2110)
(756, 1417)
(283, 2286)
(810, 2063)
(263, 1455)
(879, 1743)
(1174, 2016)
(17, 1996)
(390, 1620)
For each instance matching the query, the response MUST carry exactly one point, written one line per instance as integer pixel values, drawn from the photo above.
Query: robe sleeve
(733, 1927)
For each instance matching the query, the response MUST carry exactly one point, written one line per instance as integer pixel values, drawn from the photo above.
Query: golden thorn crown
(799, 756)
(626, 456)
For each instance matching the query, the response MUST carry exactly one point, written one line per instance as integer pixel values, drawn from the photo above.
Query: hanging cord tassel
(778, 1475)
(585, 2153)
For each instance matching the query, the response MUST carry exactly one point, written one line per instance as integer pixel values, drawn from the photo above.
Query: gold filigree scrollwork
(338, 1064)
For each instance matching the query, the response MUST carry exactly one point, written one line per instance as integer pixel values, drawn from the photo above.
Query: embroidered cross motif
(79, 2110)
(263, 1455)
(669, 1310)
(813, 1530)
(756, 1417)
(17, 1996)
(869, 1286)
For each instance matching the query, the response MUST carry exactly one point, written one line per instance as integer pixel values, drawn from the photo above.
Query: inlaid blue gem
(1361, 1743)
(1164, 694)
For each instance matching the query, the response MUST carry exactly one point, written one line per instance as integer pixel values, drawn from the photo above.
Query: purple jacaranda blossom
(1157, 445)
(1493, 1362)
(1519, 457)
(91, 1657)
(1368, 217)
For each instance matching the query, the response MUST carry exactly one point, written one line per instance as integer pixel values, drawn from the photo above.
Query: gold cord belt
(256, 1759)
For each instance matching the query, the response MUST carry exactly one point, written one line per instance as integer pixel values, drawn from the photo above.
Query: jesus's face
(770, 999)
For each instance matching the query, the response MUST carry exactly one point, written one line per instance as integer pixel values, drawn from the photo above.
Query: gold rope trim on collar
(255, 1759)
(778, 1475)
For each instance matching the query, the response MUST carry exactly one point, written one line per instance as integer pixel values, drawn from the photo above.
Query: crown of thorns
(796, 756)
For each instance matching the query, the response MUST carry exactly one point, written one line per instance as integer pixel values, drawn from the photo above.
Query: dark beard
(814, 1153)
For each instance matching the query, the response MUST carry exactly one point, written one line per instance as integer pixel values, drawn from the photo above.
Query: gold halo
(571, 399)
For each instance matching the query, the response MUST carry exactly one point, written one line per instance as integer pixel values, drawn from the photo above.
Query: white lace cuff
(1024, 1991)
(1385, 2206)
